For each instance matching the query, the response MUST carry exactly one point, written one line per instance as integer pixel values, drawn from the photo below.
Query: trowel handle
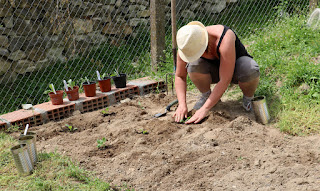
(171, 104)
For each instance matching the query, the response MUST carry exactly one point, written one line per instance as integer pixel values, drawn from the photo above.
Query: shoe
(203, 98)
(247, 103)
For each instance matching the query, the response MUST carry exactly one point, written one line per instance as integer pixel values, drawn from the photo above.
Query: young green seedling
(105, 111)
(139, 103)
(71, 129)
(104, 75)
(185, 120)
(52, 88)
(141, 131)
(101, 143)
(71, 83)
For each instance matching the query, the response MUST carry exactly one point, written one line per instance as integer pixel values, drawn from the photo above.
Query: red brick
(123, 93)
(100, 101)
(57, 112)
(148, 85)
(22, 117)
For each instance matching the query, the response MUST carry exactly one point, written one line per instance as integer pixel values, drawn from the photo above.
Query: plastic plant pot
(56, 99)
(22, 159)
(89, 89)
(73, 94)
(30, 142)
(120, 81)
(105, 84)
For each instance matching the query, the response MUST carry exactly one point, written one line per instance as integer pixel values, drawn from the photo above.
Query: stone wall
(36, 33)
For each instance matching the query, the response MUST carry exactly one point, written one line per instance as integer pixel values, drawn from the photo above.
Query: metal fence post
(157, 30)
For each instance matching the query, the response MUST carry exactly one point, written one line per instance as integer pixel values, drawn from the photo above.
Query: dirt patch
(228, 151)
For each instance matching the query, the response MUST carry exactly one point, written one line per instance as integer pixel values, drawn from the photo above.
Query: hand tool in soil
(167, 109)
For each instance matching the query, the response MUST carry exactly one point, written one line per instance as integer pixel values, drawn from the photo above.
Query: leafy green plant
(104, 75)
(71, 83)
(105, 111)
(71, 128)
(101, 143)
(50, 90)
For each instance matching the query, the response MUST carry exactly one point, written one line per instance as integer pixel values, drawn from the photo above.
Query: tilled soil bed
(227, 151)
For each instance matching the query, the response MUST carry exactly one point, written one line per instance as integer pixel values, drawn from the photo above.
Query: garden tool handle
(171, 104)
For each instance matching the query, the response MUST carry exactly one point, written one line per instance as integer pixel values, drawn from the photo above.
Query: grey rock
(4, 66)
(55, 54)
(5, 10)
(144, 14)
(23, 66)
(4, 41)
(16, 43)
(136, 22)
(82, 26)
(188, 14)
(17, 55)
(4, 52)
(8, 22)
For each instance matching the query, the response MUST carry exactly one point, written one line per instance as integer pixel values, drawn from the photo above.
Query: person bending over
(212, 54)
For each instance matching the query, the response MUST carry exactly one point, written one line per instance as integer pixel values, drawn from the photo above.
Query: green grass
(288, 57)
(52, 172)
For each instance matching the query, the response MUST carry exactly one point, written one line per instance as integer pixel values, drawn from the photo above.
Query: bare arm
(181, 89)
(227, 64)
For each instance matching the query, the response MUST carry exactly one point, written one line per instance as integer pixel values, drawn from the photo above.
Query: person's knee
(247, 69)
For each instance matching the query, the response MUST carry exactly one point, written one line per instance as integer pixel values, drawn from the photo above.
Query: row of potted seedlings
(89, 87)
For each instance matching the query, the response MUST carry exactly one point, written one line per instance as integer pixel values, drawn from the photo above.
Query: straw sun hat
(192, 41)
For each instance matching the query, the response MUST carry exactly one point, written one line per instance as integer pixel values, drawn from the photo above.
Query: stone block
(4, 66)
(17, 55)
(4, 52)
(23, 66)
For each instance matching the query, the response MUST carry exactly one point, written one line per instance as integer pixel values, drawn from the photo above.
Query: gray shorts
(246, 69)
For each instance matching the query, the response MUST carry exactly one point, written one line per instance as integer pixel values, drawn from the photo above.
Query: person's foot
(203, 98)
(247, 103)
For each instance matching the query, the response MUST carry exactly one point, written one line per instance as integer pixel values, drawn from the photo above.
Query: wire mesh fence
(47, 41)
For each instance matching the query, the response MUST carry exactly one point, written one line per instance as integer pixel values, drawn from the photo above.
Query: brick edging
(45, 112)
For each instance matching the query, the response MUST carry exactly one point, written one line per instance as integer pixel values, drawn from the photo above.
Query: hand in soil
(198, 116)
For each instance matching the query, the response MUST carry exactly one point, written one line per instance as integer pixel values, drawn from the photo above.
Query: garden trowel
(167, 109)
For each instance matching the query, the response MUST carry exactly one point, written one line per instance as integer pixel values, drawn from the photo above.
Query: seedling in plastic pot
(52, 89)
(71, 128)
(101, 143)
(55, 96)
(51, 86)
(71, 83)
(104, 75)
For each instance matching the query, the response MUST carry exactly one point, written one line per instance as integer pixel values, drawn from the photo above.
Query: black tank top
(240, 49)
